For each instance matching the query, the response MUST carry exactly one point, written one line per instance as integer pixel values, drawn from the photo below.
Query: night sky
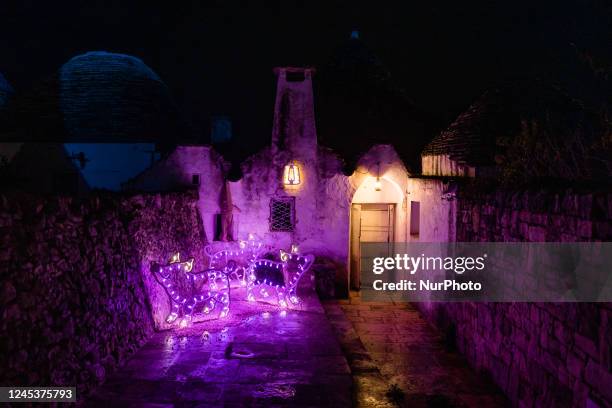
(217, 57)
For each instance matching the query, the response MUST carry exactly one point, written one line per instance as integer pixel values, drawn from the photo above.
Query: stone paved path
(267, 359)
(262, 357)
(389, 343)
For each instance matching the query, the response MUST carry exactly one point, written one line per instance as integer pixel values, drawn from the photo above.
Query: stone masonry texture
(73, 300)
(540, 354)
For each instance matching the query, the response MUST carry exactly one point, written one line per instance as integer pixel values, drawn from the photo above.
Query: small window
(282, 214)
(195, 179)
(415, 218)
(218, 227)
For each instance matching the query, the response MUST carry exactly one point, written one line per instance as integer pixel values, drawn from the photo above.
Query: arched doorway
(375, 217)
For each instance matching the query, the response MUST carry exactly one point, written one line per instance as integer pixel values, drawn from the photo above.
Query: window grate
(282, 214)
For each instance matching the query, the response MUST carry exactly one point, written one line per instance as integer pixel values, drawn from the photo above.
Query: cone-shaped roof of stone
(465, 140)
(100, 96)
(359, 105)
(471, 138)
(104, 94)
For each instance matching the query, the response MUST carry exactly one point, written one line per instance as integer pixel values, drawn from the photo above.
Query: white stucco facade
(323, 198)
(177, 171)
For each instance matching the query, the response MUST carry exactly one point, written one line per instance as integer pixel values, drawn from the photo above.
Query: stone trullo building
(294, 190)
(94, 123)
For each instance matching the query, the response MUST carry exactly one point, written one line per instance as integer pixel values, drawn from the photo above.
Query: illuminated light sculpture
(291, 175)
(201, 292)
(235, 261)
(272, 281)
(192, 292)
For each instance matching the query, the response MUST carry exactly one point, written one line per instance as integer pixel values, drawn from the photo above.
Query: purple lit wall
(75, 304)
(322, 199)
(540, 354)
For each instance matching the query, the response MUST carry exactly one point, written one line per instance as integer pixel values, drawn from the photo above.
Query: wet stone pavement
(337, 354)
(398, 359)
(269, 358)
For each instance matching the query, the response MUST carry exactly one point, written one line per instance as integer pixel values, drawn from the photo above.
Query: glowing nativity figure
(236, 260)
(277, 282)
(192, 292)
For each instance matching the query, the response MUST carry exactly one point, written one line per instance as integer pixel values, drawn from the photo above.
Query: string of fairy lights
(204, 291)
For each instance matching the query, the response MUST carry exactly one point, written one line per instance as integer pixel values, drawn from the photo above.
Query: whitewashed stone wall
(324, 196)
(294, 140)
(437, 208)
(323, 200)
(176, 171)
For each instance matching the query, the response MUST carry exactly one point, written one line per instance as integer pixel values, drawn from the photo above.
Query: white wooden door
(369, 223)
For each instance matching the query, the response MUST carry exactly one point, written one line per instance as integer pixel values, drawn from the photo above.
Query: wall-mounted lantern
(378, 184)
(291, 175)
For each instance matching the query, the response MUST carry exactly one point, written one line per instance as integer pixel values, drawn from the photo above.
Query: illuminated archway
(390, 191)
(376, 216)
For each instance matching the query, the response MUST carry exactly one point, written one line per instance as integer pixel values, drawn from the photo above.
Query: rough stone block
(539, 219)
(585, 205)
(584, 228)
(586, 345)
(569, 204)
(599, 378)
(524, 216)
(562, 333)
(97, 244)
(602, 230)
(550, 362)
(575, 365)
(524, 231)
(536, 234)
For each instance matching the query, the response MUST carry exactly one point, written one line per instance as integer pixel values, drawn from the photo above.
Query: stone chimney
(293, 130)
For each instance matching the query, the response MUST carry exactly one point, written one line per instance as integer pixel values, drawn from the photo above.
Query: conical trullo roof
(359, 105)
(105, 95)
(471, 139)
(98, 97)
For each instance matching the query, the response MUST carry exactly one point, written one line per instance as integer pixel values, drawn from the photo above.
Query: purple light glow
(292, 267)
(187, 297)
(265, 280)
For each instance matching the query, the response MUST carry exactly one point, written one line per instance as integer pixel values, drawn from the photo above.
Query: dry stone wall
(73, 300)
(540, 354)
